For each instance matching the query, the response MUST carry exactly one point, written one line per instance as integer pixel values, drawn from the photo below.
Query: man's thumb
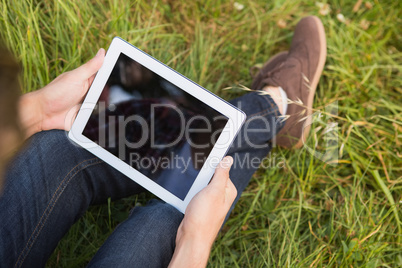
(222, 171)
(92, 66)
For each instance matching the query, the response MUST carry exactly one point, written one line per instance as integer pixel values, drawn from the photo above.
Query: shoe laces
(274, 74)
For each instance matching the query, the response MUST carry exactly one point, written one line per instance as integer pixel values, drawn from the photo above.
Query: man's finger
(88, 69)
(222, 172)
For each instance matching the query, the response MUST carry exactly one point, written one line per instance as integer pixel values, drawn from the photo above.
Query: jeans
(51, 183)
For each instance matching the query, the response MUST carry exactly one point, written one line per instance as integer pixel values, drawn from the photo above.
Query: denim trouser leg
(49, 186)
(146, 239)
(52, 182)
(253, 142)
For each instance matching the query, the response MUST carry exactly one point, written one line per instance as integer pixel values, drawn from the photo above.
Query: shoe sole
(314, 83)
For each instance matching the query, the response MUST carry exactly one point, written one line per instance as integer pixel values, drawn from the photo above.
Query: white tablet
(154, 125)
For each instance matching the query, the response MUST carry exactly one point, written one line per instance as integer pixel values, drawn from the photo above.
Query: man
(51, 182)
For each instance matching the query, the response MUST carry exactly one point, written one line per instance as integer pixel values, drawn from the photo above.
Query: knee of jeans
(47, 150)
(51, 142)
(48, 139)
(159, 217)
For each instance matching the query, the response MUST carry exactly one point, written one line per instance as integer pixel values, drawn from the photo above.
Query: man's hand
(203, 219)
(56, 105)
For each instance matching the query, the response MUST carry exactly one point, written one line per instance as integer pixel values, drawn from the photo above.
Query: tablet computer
(154, 125)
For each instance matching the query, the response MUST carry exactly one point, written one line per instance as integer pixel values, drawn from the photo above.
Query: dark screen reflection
(154, 126)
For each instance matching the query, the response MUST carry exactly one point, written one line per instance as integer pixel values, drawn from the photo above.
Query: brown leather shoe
(298, 75)
(268, 66)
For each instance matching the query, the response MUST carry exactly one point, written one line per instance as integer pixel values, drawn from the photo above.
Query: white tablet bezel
(235, 120)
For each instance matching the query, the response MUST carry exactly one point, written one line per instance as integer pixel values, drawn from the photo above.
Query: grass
(309, 213)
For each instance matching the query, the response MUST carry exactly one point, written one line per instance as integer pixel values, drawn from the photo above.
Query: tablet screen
(154, 126)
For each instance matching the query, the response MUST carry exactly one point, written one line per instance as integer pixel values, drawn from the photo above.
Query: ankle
(278, 95)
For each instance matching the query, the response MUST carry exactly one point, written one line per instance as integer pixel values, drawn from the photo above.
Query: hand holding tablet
(154, 125)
